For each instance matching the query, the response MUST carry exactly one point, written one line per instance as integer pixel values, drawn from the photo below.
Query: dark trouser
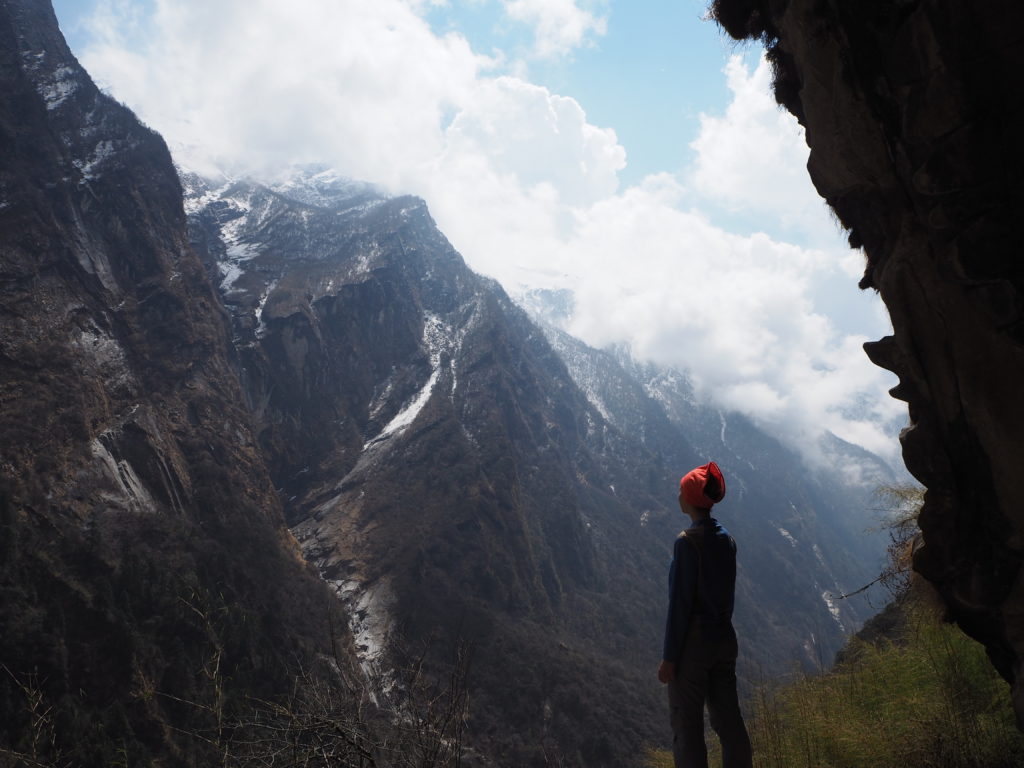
(706, 672)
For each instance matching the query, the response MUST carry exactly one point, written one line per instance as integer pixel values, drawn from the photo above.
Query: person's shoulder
(692, 533)
(686, 540)
(723, 532)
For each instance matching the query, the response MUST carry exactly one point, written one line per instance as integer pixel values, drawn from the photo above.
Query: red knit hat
(703, 487)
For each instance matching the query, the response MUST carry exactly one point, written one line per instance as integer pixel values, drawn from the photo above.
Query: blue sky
(620, 149)
(649, 76)
(658, 66)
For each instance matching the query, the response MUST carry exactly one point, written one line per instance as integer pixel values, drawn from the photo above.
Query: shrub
(929, 699)
(920, 694)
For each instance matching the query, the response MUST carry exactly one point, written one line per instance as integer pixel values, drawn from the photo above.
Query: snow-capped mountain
(448, 464)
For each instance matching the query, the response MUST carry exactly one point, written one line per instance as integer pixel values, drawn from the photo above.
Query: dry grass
(932, 699)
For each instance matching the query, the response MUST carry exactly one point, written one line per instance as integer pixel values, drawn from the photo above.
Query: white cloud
(259, 83)
(739, 312)
(537, 137)
(753, 159)
(527, 189)
(559, 26)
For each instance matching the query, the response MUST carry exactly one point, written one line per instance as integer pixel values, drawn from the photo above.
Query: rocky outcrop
(914, 112)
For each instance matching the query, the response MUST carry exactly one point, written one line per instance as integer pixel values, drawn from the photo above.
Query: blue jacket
(701, 584)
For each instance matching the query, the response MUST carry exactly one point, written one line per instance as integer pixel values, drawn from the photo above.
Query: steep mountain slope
(449, 477)
(432, 450)
(808, 536)
(137, 520)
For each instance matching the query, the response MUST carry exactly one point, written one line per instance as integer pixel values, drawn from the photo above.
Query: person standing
(699, 657)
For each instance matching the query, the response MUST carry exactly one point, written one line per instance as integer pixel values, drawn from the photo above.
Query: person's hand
(666, 672)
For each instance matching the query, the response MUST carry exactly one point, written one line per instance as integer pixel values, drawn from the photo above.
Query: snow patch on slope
(458, 340)
(326, 189)
(102, 151)
(237, 252)
(669, 387)
(408, 414)
(787, 536)
(584, 373)
(229, 275)
(368, 615)
(57, 87)
(195, 203)
(261, 327)
(833, 608)
(437, 338)
(442, 343)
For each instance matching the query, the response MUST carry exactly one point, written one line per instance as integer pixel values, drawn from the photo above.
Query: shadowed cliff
(139, 532)
(914, 111)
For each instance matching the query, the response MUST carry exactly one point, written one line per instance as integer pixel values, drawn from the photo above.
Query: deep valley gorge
(271, 433)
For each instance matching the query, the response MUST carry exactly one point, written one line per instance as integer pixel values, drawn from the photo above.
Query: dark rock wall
(133, 499)
(914, 111)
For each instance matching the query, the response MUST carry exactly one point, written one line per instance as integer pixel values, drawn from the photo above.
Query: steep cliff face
(438, 464)
(914, 111)
(134, 500)
(452, 471)
(804, 537)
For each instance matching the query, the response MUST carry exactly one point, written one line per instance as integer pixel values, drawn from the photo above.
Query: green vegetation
(911, 691)
(930, 698)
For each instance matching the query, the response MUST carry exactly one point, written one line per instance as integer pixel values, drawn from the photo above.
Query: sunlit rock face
(914, 114)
